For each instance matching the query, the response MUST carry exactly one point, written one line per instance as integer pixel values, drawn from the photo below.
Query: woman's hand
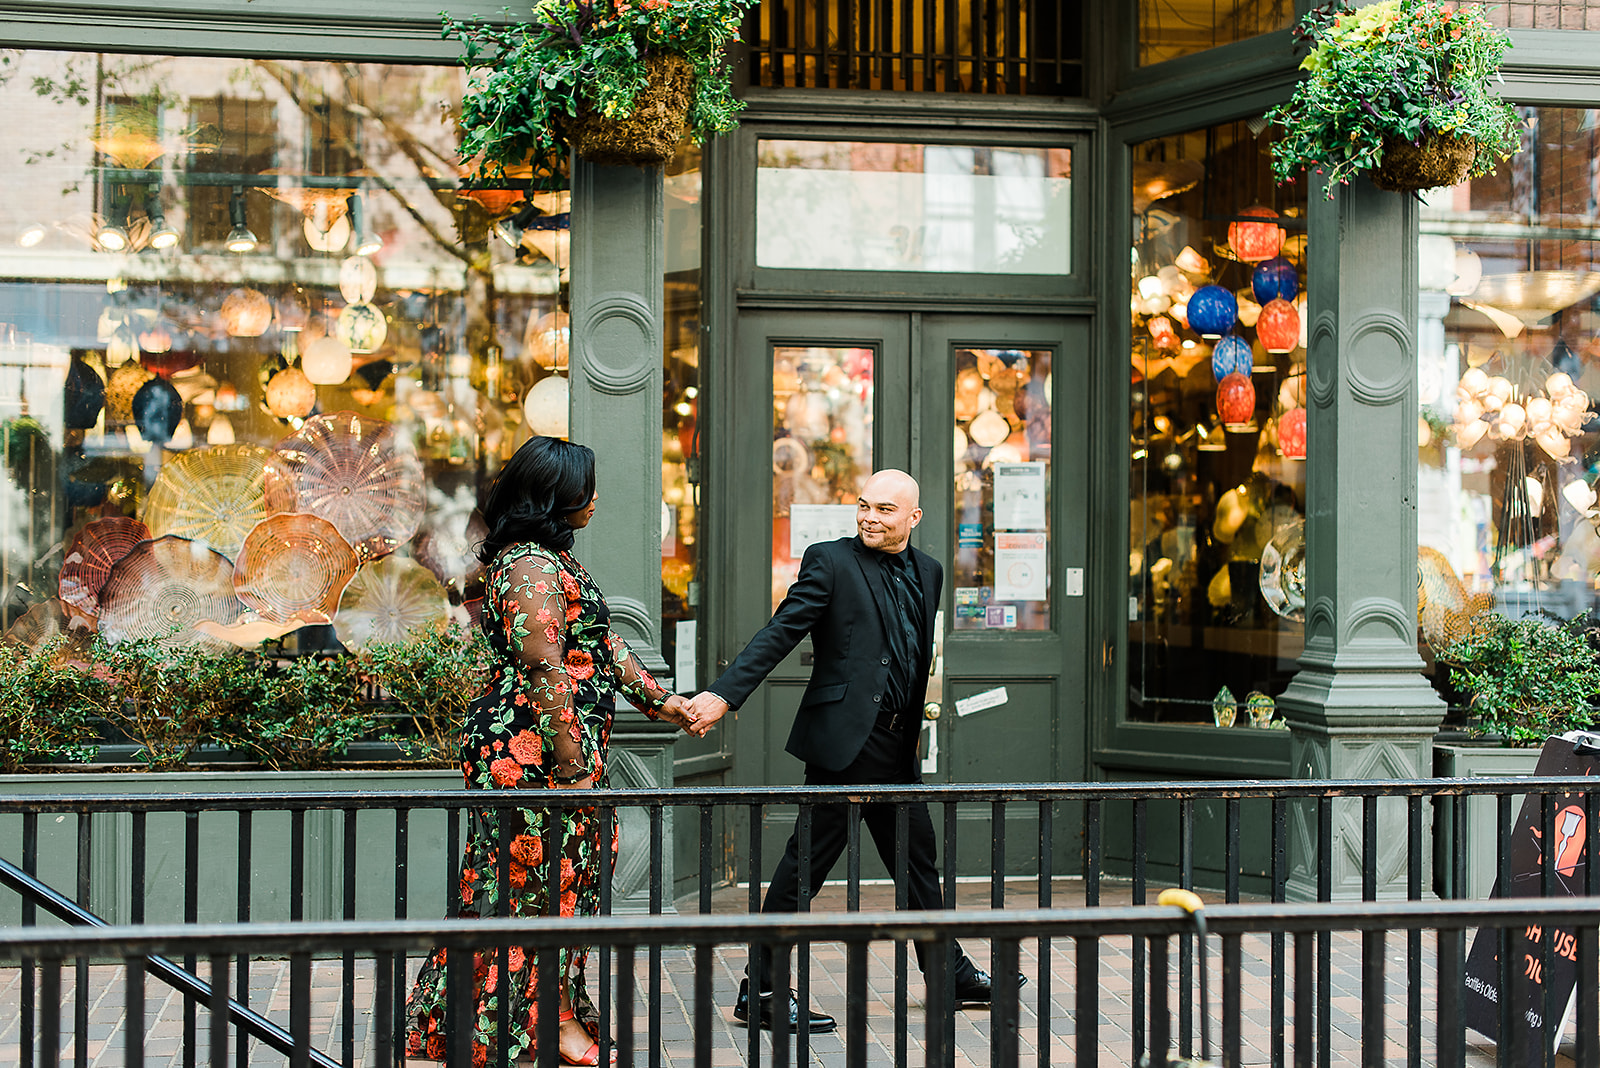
(677, 709)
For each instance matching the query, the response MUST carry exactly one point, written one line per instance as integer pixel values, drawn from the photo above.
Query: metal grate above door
(1011, 47)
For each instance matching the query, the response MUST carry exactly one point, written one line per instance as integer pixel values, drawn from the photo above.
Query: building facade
(1179, 429)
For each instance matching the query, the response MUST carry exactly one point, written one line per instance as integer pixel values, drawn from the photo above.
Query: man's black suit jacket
(841, 600)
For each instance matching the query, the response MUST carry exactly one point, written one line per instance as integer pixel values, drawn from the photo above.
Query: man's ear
(916, 516)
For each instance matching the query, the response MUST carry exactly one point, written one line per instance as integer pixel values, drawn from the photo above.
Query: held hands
(705, 710)
(677, 709)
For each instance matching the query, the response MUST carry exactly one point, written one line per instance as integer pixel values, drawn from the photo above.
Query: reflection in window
(1001, 574)
(1544, 14)
(1217, 427)
(1013, 47)
(1507, 354)
(205, 257)
(1172, 28)
(680, 439)
(850, 205)
(821, 450)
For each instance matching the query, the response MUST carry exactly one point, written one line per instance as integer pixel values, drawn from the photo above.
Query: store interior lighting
(240, 238)
(31, 235)
(367, 242)
(162, 236)
(112, 234)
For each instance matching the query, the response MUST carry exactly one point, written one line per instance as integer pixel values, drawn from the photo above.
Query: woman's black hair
(544, 482)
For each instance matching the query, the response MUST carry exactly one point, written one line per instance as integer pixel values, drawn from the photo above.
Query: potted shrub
(430, 680)
(1402, 89)
(618, 81)
(1527, 679)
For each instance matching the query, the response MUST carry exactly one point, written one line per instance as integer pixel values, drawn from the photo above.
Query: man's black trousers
(886, 759)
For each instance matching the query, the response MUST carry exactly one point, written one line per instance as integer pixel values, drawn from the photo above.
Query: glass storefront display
(1509, 450)
(822, 414)
(239, 291)
(1217, 428)
(865, 206)
(681, 459)
(1001, 567)
(1172, 28)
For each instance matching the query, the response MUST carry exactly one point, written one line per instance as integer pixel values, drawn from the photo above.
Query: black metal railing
(1440, 924)
(381, 858)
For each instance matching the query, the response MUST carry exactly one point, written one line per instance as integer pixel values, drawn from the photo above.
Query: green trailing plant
(48, 705)
(431, 680)
(1389, 75)
(529, 82)
(1529, 678)
(298, 714)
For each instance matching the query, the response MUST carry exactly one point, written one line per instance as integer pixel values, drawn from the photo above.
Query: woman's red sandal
(591, 1056)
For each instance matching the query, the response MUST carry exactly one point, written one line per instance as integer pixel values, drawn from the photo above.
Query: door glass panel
(858, 206)
(1002, 489)
(821, 449)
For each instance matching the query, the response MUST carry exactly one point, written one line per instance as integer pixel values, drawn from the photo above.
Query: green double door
(988, 413)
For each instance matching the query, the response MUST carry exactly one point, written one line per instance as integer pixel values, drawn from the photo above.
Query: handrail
(1287, 789)
(184, 982)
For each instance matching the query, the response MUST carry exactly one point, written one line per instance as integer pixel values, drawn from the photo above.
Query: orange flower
(527, 849)
(580, 665)
(568, 872)
(527, 747)
(506, 772)
(569, 903)
(518, 958)
(435, 1048)
(480, 1055)
(413, 1043)
(519, 876)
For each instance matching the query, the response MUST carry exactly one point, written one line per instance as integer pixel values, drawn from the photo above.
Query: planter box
(1480, 830)
(645, 763)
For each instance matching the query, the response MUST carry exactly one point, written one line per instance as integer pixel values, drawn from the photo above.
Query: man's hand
(706, 709)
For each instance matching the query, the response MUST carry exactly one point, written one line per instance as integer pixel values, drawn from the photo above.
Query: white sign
(1021, 567)
(1074, 582)
(979, 701)
(930, 763)
(683, 655)
(1019, 496)
(811, 523)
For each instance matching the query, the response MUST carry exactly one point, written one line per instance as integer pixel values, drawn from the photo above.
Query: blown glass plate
(349, 469)
(212, 495)
(293, 566)
(164, 588)
(388, 601)
(90, 556)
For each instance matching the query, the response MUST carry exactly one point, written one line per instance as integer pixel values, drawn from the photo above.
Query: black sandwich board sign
(1571, 754)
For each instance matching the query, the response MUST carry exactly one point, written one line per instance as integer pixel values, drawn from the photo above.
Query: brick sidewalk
(729, 1040)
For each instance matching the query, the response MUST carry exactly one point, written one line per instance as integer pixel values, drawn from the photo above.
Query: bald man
(868, 603)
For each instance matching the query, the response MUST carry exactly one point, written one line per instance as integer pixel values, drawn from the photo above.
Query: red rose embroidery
(580, 665)
(527, 747)
(527, 849)
(506, 772)
(518, 958)
(480, 1055)
(435, 1048)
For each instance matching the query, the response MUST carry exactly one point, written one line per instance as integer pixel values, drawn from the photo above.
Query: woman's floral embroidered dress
(546, 716)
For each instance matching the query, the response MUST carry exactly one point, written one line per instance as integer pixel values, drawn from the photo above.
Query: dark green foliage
(297, 714)
(529, 79)
(431, 680)
(1394, 70)
(1530, 678)
(47, 704)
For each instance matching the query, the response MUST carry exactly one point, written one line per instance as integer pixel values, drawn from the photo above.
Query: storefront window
(1172, 28)
(259, 354)
(821, 450)
(680, 438)
(1507, 350)
(1001, 572)
(851, 205)
(1217, 428)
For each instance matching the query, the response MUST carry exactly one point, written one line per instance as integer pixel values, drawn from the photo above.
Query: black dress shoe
(978, 988)
(818, 1023)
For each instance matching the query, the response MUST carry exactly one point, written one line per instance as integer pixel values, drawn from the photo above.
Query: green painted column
(616, 307)
(1360, 707)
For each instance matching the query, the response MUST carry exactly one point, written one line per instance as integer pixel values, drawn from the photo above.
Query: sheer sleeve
(534, 618)
(633, 680)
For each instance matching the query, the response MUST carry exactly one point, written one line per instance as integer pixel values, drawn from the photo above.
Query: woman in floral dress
(543, 723)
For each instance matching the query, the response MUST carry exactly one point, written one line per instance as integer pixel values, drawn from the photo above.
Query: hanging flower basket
(1441, 159)
(616, 81)
(1401, 90)
(649, 134)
